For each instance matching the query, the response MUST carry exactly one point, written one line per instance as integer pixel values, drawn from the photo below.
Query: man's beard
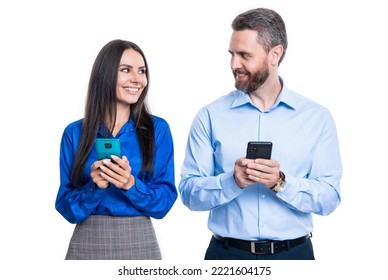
(255, 80)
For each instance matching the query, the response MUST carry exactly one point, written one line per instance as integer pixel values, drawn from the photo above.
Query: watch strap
(280, 183)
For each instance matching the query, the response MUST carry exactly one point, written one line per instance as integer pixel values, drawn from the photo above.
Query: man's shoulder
(226, 99)
(302, 101)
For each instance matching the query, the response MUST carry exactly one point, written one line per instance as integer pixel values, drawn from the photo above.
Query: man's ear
(275, 54)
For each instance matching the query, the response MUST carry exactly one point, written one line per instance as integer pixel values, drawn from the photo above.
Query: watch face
(279, 186)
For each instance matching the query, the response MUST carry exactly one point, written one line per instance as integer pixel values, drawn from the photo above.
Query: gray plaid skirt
(114, 238)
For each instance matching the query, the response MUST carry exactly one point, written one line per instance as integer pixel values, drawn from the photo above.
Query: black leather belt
(262, 247)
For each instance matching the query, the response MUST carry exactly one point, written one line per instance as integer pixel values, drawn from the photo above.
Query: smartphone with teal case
(108, 146)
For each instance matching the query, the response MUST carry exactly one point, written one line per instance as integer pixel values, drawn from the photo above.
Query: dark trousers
(218, 250)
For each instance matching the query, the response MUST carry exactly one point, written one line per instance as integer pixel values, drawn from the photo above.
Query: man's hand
(249, 171)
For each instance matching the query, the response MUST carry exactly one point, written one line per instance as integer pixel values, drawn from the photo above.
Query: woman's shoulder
(160, 124)
(159, 121)
(75, 126)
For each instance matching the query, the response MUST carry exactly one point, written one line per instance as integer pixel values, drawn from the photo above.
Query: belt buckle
(253, 248)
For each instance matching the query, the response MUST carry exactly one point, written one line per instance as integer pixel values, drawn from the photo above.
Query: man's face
(249, 61)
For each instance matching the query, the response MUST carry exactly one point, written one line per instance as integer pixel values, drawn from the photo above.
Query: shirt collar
(285, 98)
(127, 127)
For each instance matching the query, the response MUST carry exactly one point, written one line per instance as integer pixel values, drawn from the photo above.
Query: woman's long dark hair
(101, 109)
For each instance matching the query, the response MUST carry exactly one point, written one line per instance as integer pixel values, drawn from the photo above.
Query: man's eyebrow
(239, 52)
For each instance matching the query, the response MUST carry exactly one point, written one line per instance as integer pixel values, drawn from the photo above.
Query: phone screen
(259, 149)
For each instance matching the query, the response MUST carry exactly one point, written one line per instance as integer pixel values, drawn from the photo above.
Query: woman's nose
(134, 78)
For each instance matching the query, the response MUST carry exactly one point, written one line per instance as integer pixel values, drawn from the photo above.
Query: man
(261, 208)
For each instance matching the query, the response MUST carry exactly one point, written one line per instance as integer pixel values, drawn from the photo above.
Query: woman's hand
(116, 171)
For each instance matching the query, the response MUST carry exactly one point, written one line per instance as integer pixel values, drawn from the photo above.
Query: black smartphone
(259, 149)
(108, 146)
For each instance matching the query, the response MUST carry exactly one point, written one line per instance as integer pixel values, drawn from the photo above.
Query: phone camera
(108, 145)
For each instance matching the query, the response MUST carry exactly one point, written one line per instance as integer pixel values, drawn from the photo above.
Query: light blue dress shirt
(305, 143)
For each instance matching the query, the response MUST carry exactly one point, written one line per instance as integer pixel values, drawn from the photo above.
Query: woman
(111, 200)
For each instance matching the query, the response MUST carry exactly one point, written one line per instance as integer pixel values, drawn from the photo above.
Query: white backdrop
(336, 56)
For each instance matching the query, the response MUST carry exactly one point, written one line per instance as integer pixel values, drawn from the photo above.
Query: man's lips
(241, 76)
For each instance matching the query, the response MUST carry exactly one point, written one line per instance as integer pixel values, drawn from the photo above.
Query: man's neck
(266, 95)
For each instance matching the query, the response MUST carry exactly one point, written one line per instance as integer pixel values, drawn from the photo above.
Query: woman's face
(131, 79)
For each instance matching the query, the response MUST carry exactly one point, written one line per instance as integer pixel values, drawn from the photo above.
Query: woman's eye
(125, 70)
